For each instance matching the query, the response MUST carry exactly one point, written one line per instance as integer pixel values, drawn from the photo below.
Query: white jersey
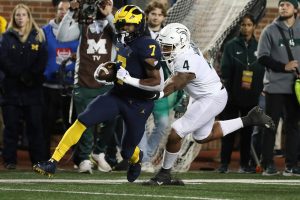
(207, 81)
(208, 96)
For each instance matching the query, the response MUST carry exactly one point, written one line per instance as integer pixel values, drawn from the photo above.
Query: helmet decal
(130, 14)
(173, 39)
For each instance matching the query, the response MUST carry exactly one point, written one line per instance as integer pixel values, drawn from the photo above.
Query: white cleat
(85, 167)
(103, 166)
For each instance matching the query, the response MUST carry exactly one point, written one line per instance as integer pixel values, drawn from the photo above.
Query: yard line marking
(108, 194)
(121, 181)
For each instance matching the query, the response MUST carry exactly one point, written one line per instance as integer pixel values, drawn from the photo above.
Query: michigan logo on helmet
(127, 16)
(173, 39)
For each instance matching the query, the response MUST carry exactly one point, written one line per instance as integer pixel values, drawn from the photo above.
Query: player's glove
(124, 76)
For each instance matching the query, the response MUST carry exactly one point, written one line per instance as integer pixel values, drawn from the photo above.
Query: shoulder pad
(148, 48)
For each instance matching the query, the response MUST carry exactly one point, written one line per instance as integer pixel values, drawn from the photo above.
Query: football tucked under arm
(106, 72)
(154, 82)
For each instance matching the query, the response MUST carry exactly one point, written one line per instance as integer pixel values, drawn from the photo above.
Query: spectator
(243, 78)
(131, 97)
(23, 60)
(59, 77)
(3, 24)
(278, 85)
(96, 47)
(155, 15)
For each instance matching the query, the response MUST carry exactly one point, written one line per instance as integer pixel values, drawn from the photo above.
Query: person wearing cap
(278, 85)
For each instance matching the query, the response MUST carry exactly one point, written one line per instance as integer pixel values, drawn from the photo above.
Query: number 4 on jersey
(186, 65)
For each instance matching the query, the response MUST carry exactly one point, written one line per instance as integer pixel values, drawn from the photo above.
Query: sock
(135, 156)
(169, 159)
(71, 137)
(229, 126)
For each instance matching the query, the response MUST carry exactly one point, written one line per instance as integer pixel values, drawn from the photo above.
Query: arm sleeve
(40, 63)
(272, 64)
(264, 52)
(68, 29)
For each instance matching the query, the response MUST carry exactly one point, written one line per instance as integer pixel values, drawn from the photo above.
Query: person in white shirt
(191, 72)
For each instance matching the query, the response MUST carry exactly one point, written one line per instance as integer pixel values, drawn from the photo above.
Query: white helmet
(173, 39)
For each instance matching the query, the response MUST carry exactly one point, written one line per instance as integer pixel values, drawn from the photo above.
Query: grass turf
(70, 185)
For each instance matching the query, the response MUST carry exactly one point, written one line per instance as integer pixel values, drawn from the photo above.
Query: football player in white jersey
(191, 72)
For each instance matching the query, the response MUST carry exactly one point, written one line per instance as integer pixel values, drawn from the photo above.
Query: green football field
(207, 185)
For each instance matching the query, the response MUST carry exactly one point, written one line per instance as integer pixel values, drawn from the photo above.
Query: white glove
(124, 76)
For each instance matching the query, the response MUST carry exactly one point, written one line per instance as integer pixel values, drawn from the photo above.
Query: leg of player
(256, 116)
(163, 177)
(134, 168)
(70, 138)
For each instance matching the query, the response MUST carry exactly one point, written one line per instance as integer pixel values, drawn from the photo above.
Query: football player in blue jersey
(139, 80)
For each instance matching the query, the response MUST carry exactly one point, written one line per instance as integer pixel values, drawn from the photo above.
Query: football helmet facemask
(173, 40)
(129, 15)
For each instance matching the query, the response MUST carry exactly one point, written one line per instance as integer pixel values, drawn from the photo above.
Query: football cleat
(258, 117)
(85, 166)
(46, 168)
(102, 164)
(134, 170)
(163, 177)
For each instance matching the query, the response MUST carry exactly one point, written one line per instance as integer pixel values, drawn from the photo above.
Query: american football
(106, 71)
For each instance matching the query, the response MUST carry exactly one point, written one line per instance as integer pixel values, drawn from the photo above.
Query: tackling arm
(177, 82)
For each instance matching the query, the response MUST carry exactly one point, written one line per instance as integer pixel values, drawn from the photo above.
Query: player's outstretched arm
(177, 82)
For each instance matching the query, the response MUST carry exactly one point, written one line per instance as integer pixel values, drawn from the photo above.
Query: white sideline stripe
(120, 181)
(108, 194)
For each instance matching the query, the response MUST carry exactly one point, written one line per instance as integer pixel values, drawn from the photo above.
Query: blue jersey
(132, 57)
